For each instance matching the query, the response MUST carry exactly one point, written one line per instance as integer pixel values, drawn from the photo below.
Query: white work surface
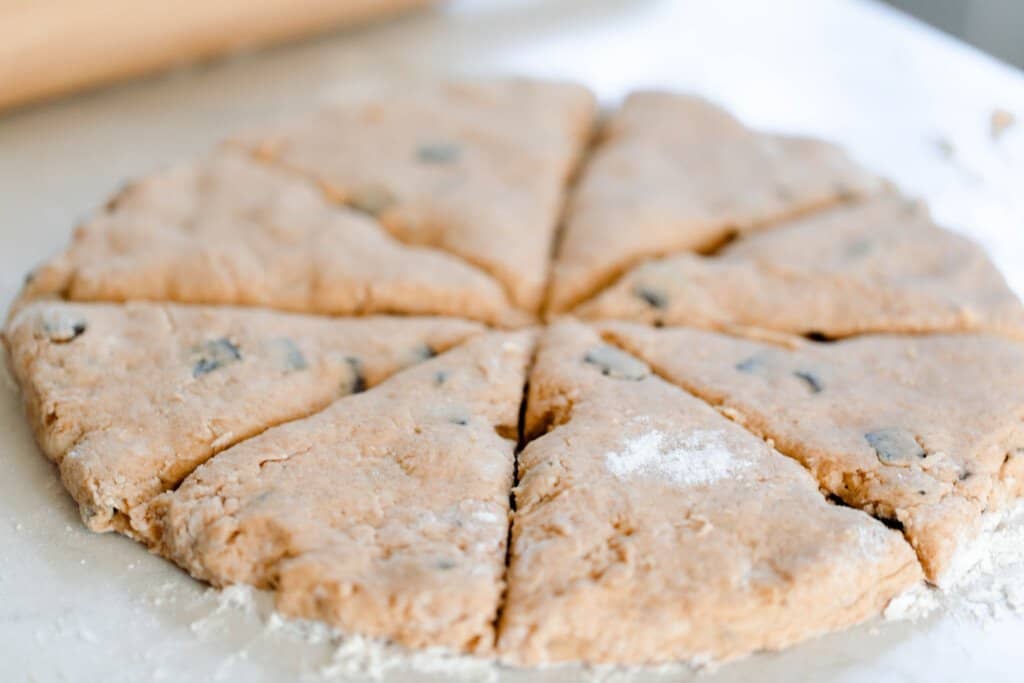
(907, 101)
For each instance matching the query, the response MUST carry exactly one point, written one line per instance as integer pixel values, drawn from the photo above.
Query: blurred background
(94, 92)
(50, 48)
(996, 26)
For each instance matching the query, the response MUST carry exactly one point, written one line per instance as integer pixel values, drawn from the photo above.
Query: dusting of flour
(989, 585)
(353, 656)
(696, 458)
(992, 589)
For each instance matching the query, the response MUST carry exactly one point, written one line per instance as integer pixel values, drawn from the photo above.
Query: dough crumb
(1000, 121)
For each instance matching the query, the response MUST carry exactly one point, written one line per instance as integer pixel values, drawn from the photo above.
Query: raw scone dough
(674, 172)
(649, 528)
(127, 400)
(923, 431)
(230, 230)
(880, 265)
(476, 168)
(386, 514)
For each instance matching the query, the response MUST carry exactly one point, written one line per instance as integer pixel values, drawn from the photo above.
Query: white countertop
(76, 606)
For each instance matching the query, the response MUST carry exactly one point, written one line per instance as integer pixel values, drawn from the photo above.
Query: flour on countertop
(989, 585)
(676, 671)
(360, 658)
(991, 589)
(693, 459)
(353, 656)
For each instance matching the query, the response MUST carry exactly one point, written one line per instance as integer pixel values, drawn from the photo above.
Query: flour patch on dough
(697, 458)
(872, 540)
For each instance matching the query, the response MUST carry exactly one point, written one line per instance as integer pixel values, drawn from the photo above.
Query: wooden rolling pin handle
(50, 47)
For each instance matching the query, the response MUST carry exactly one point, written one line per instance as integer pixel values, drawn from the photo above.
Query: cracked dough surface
(229, 230)
(364, 467)
(127, 400)
(385, 514)
(476, 168)
(879, 265)
(649, 528)
(923, 430)
(673, 173)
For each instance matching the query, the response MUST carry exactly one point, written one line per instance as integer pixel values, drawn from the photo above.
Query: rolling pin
(51, 47)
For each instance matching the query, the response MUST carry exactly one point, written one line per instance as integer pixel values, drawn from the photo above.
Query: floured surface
(127, 400)
(385, 514)
(649, 528)
(925, 431)
(879, 265)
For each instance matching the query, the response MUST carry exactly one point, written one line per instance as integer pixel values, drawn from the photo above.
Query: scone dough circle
(466, 365)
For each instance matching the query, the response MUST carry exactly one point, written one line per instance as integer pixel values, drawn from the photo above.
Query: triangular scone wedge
(385, 515)
(925, 432)
(674, 172)
(650, 529)
(476, 168)
(128, 399)
(231, 230)
(880, 265)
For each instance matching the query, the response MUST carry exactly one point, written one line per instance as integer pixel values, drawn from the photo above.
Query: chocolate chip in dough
(751, 365)
(424, 352)
(288, 354)
(358, 382)
(214, 355)
(651, 297)
(895, 446)
(616, 364)
(858, 249)
(61, 328)
(438, 153)
(810, 379)
(373, 200)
